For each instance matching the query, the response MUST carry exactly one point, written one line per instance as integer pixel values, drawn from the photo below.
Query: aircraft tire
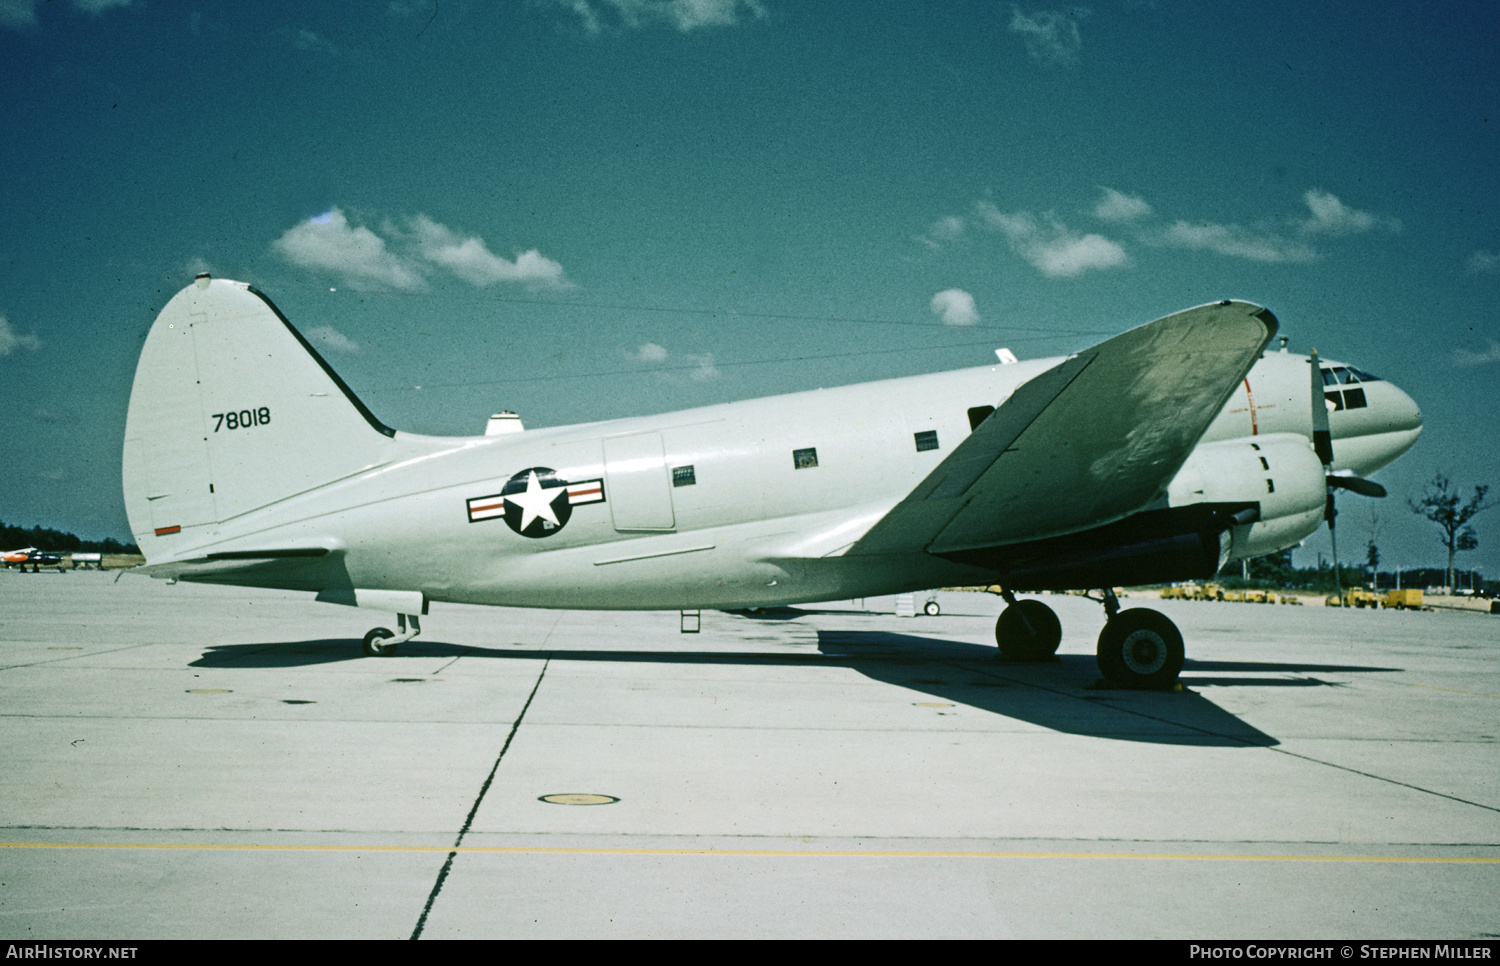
(375, 645)
(1140, 649)
(931, 608)
(1017, 641)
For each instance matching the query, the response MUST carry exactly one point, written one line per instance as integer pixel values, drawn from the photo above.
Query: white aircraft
(1157, 455)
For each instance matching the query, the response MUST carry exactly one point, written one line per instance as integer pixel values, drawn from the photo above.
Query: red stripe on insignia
(483, 508)
(163, 531)
(589, 491)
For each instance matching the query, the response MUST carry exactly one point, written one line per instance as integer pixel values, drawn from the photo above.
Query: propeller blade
(1322, 437)
(1356, 485)
(1333, 543)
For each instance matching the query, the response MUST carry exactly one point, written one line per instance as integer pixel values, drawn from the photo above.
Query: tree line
(57, 541)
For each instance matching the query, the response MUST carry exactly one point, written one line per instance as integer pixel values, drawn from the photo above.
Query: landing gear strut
(1138, 648)
(380, 642)
(1028, 630)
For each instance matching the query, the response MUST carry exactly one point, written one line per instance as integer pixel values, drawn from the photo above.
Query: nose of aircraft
(1399, 411)
(1394, 424)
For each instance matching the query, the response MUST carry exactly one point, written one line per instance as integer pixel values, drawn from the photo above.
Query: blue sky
(579, 209)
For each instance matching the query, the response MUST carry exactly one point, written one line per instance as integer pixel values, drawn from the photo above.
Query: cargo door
(635, 480)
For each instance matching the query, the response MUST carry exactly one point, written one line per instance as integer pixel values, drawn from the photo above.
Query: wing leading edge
(1088, 442)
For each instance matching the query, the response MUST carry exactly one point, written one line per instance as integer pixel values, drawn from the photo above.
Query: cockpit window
(1346, 376)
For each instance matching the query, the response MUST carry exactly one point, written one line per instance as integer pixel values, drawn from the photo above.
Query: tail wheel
(1028, 630)
(1140, 649)
(931, 608)
(375, 643)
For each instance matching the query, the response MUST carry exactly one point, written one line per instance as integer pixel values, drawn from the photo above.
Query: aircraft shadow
(1064, 695)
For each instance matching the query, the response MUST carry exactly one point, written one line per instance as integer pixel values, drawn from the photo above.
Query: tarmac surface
(195, 761)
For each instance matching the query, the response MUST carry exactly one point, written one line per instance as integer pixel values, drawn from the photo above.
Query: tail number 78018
(244, 419)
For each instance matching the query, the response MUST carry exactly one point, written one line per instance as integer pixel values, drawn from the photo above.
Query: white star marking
(536, 502)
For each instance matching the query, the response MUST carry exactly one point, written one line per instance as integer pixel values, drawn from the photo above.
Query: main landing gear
(1138, 648)
(380, 642)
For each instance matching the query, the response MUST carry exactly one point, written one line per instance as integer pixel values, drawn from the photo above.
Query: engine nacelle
(1280, 472)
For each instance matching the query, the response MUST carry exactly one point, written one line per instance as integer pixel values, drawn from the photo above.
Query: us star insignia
(536, 502)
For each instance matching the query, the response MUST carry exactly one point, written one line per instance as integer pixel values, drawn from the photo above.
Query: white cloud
(10, 340)
(1051, 36)
(365, 260)
(1468, 359)
(1117, 207)
(471, 260)
(1237, 242)
(944, 231)
(310, 40)
(955, 307)
(19, 14)
(355, 254)
(1052, 248)
(703, 367)
(1483, 262)
(1330, 216)
(330, 338)
(649, 352)
(682, 15)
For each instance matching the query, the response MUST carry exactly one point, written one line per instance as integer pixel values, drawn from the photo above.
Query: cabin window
(805, 459)
(1336, 398)
(1263, 464)
(1270, 486)
(978, 415)
(683, 476)
(926, 440)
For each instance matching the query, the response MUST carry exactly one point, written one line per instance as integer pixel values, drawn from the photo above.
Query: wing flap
(1088, 442)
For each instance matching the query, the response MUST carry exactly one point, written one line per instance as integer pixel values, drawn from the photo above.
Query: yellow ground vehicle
(1403, 599)
(1354, 597)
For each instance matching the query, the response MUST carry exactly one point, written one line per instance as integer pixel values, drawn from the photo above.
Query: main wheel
(1028, 630)
(375, 645)
(931, 608)
(1140, 649)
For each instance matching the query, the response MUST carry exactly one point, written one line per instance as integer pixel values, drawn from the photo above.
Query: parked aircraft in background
(33, 557)
(1157, 455)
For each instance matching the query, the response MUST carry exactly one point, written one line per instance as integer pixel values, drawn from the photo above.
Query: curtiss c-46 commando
(1157, 455)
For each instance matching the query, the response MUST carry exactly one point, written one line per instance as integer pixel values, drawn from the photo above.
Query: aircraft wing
(1088, 442)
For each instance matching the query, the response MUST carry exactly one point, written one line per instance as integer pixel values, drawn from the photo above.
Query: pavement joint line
(751, 853)
(1432, 687)
(1256, 744)
(442, 876)
(75, 657)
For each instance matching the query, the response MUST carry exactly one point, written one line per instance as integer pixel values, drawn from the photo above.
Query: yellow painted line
(733, 853)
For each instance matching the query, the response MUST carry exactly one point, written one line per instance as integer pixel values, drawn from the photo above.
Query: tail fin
(232, 410)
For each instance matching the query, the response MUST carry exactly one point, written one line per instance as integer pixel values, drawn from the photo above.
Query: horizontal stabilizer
(1086, 443)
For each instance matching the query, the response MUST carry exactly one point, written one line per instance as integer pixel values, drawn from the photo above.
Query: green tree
(1444, 505)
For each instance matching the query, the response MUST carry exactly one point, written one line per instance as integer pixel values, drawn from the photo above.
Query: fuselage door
(635, 473)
